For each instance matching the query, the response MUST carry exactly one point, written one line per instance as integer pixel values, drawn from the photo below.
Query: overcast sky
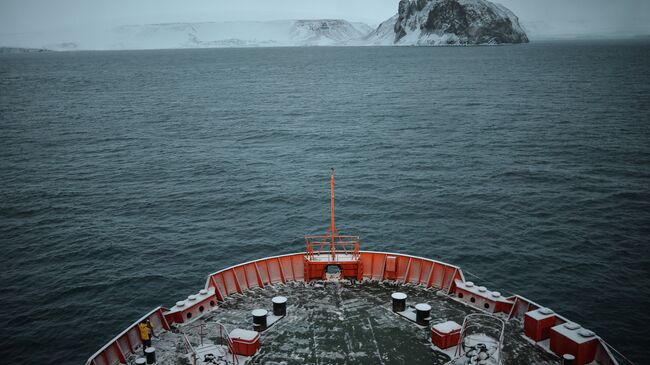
(545, 16)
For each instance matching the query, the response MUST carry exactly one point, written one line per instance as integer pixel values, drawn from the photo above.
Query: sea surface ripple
(127, 177)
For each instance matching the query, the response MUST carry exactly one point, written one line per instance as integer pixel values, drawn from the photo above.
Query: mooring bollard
(422, 314)
(259, 319)
(568, 359)
(150, 352)
(279, 306)
(399, 302)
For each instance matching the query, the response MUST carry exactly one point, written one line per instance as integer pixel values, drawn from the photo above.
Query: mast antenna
(332, 225)
(326, 245)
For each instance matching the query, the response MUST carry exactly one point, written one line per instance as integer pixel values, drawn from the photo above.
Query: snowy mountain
(322, 32)
(417, 22)
(443, 22)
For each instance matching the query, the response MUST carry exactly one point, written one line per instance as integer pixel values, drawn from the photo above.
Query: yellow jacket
(145, 330)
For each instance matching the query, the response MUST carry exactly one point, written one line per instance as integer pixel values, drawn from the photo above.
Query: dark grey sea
(127, 177)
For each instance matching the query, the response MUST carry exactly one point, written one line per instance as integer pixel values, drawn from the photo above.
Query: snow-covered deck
(333, 323)
(336, 323)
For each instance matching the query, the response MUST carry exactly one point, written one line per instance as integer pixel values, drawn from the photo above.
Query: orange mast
(317, 245)
(332, 226)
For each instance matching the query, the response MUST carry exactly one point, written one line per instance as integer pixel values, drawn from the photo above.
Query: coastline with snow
(417, 23)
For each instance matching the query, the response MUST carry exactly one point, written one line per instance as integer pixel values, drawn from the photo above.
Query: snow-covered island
(417, 23)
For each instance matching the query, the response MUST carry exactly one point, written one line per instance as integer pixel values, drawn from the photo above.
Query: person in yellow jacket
(146, 332)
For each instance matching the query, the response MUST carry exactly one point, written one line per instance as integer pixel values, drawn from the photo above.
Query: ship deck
(352, 321)
(345, 322)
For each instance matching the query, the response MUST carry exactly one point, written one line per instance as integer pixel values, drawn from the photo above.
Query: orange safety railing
(325, 245)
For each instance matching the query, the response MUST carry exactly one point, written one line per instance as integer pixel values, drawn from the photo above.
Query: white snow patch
(245, 335)
(447, 327)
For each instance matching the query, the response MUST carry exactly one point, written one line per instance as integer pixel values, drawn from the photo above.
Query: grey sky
(539, 16)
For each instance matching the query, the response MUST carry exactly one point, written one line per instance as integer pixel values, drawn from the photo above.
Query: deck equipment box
(245, 342)
(445, 335)
(571, 338)
(538, 323)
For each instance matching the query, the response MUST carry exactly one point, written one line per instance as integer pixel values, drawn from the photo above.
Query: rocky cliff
(448, 22)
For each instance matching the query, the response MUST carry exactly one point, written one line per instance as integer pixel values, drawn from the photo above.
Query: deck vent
(496, 294)
(572, 326)
(203, 292)
(482, 289)
(546, 311)
(191, 298)
(180, 303)
(469, 284)
(586, 333)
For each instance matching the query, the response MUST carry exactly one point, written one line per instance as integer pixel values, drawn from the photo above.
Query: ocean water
(127, 177)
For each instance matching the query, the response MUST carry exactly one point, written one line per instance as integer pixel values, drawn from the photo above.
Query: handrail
(609, 347)
(189, 348)
(225, 335)
(490, 322)
(348, 244)
(222, 334)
